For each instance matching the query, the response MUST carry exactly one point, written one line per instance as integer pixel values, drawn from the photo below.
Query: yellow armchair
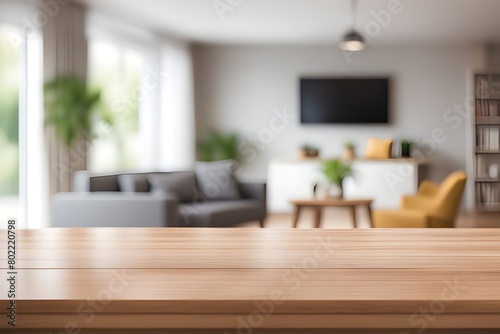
(433, 206)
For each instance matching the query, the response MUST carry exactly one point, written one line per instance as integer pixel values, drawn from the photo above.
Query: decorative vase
(349, 153)
(334, 191)
(494, 171)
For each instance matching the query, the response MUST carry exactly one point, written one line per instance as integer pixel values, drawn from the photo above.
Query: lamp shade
(353, 41)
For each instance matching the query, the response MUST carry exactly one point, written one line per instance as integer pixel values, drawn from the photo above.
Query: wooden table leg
(370, 217)
(353, 211)
(296, 213)
(317, 217)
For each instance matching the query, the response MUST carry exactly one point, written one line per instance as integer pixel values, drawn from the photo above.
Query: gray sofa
(99, 201)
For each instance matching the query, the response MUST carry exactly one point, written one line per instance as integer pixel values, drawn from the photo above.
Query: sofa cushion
(216, 180)
(102, 183)
(221, 214)
(180, 184)
(378, 148)
(133, 183)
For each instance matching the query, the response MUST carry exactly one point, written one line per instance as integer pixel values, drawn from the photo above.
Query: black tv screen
(344, 100)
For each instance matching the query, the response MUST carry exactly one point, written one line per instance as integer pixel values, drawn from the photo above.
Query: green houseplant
(72, 108)
(335, 172)
(218, 146)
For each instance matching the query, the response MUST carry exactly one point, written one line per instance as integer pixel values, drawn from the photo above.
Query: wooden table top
(211, 278)
(331, 201)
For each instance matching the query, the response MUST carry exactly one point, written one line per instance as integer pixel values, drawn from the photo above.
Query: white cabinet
(386, 181)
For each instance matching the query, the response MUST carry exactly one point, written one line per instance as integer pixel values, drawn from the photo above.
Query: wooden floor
(253, 280)
(340, 218)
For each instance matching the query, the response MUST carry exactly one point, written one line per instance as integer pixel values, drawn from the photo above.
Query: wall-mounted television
(344, 100)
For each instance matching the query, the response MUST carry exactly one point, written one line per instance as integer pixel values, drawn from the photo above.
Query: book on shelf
(482, 88)
(488, 193)
(488, 138)
(493, 108)
(487, 108)
(481, 167)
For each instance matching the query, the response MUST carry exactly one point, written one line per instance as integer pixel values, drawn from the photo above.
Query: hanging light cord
(353, 5)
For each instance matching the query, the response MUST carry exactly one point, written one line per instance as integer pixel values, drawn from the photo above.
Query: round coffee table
(319, 204)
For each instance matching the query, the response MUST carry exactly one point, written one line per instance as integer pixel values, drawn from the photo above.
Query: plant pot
(334, 191)
(406, 150)
(349, 153)
(313, 153)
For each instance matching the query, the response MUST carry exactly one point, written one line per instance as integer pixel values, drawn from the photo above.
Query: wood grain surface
(258, 279)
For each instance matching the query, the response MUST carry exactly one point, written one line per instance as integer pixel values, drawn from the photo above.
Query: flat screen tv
(344, 100)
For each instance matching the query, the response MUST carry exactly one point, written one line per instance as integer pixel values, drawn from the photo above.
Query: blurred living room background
(175, 77)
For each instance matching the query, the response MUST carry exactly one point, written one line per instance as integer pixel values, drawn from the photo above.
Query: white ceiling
(450, 22)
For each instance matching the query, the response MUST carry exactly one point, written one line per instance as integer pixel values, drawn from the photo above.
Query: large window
(116, 70)
(10, 74)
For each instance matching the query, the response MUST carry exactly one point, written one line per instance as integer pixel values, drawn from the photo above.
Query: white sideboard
(386, 181)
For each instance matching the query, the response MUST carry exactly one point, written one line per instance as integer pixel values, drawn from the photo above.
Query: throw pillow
(180, 184)
(379, 149)
(217, 181)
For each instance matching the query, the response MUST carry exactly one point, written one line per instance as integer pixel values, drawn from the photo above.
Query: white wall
(238, 88)
(493, 57)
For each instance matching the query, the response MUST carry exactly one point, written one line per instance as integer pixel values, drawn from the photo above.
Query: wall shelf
(492, 120)
(486, 180)
(487, 152)
(488, 207)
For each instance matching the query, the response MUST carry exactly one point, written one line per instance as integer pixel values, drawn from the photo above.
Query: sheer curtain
(64, 52)
(166, 93)
(178, 138)
(166, 115)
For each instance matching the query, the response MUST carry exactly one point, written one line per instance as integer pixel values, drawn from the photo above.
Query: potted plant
(349, 150)
(335, 172)
(406, 148)
(309, 151)
(73, 108)
(217, 146)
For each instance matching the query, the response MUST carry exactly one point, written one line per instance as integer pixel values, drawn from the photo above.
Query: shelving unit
(487, 142)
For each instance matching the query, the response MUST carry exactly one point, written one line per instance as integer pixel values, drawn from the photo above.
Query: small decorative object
(335, 171)
(349, 150)
(494, 171)
(406, 148)
(309, 151)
